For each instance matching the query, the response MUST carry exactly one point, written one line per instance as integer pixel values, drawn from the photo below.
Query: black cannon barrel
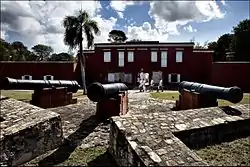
(15, 84)
(232, 94)
(97, 91)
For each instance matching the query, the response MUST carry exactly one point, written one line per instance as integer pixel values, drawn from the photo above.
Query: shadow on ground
(103, 160)
(70, 144)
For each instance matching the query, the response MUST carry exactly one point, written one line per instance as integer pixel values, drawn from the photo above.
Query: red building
(114, 62)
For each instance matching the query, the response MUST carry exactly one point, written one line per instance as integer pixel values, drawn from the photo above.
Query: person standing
(151, 88)
(160, 86)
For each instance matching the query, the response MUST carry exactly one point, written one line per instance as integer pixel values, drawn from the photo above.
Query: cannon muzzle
(232, 94)
(97, 91)
(15, 84)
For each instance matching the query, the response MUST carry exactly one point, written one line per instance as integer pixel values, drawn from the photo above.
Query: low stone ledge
(149, 139)
(27, 131)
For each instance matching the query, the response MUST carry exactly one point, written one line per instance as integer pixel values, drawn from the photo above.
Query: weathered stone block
(27, 132)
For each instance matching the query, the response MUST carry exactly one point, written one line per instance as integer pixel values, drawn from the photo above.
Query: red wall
(195, 66)
(231, 74)
(60, 70)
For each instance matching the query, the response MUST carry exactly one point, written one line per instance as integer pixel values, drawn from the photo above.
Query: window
(164, 58)
(111, 77)
(173, 78)
(179, 56)
(48, 77)
(153, 56)
(26, 77)
(130, 56)
(121, 59)
(107, 56)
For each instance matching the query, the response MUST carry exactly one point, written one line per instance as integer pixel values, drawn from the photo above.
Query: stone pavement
(82, 131)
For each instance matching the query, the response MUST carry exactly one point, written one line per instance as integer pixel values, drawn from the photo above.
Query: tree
(241, 40)
(117, 36)
(223, 46)
(20, 49)
(61, 57)
(75, 26)
(42, 51)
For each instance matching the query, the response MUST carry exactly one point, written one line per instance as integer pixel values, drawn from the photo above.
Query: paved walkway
(82, 131)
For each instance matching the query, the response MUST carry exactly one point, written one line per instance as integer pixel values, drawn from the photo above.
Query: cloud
(34, 22)
(223, 2)
(120, 6)
(189, 28)
(145, 32)
(170, 15)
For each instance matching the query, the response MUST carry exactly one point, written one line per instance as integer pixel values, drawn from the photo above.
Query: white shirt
(160, 83)
(152, 82)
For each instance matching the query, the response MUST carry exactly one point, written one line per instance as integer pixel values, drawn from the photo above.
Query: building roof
(145, 44)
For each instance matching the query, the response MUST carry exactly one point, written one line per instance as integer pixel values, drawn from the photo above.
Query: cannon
(197, 95)
(112, 99)
(47, 93)
(97, 91)
(16, 84)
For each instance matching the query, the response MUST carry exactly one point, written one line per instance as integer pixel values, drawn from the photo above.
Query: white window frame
(121, 59)
(51, 76)
(130, 56)
(154, 56)
(170, 78)
(164, 58)
(23, 77)
(179, 56)
(107, 56)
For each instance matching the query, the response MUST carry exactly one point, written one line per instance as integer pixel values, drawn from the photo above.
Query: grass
(27, 95)
(234, 153)
(174, 95)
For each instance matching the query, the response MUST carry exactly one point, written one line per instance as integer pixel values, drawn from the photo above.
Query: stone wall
(152, 138)
(27, 131)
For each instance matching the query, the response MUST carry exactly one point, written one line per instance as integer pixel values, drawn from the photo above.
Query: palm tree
(75, 26)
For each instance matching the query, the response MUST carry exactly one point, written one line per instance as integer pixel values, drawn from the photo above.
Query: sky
(40, 22)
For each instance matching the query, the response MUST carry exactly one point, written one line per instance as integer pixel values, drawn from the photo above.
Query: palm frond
(83, 16)
(93, 26)
(89, 35)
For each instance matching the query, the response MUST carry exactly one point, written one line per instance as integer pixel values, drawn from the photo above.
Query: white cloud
(223, 2)
(146, 32)
(170, 15)
(41, 22)
(120, 14)
(189, 28)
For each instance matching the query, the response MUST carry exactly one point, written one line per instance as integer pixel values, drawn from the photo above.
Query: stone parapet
(27, 131)
(166, 138)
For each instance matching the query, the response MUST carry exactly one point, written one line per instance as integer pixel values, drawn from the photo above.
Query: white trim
(203, 51)
(178, 77)
(142, 48)
(130, 48)
(106, 55)
(45, 77)
(106, 49)
(91, 51)
(143, 45)
(169, 78)
(121, 49)
(121, 57)
(130, 56)
(154, 48)
(23, 77)
(179, 48)
(164, 58)
(163, 48)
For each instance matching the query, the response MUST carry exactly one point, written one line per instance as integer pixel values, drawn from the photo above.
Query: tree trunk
(81, 59)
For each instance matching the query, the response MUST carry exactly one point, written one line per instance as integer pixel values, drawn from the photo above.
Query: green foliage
(42, 51)
(237, 42)
(117, 36)
(61, 57)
